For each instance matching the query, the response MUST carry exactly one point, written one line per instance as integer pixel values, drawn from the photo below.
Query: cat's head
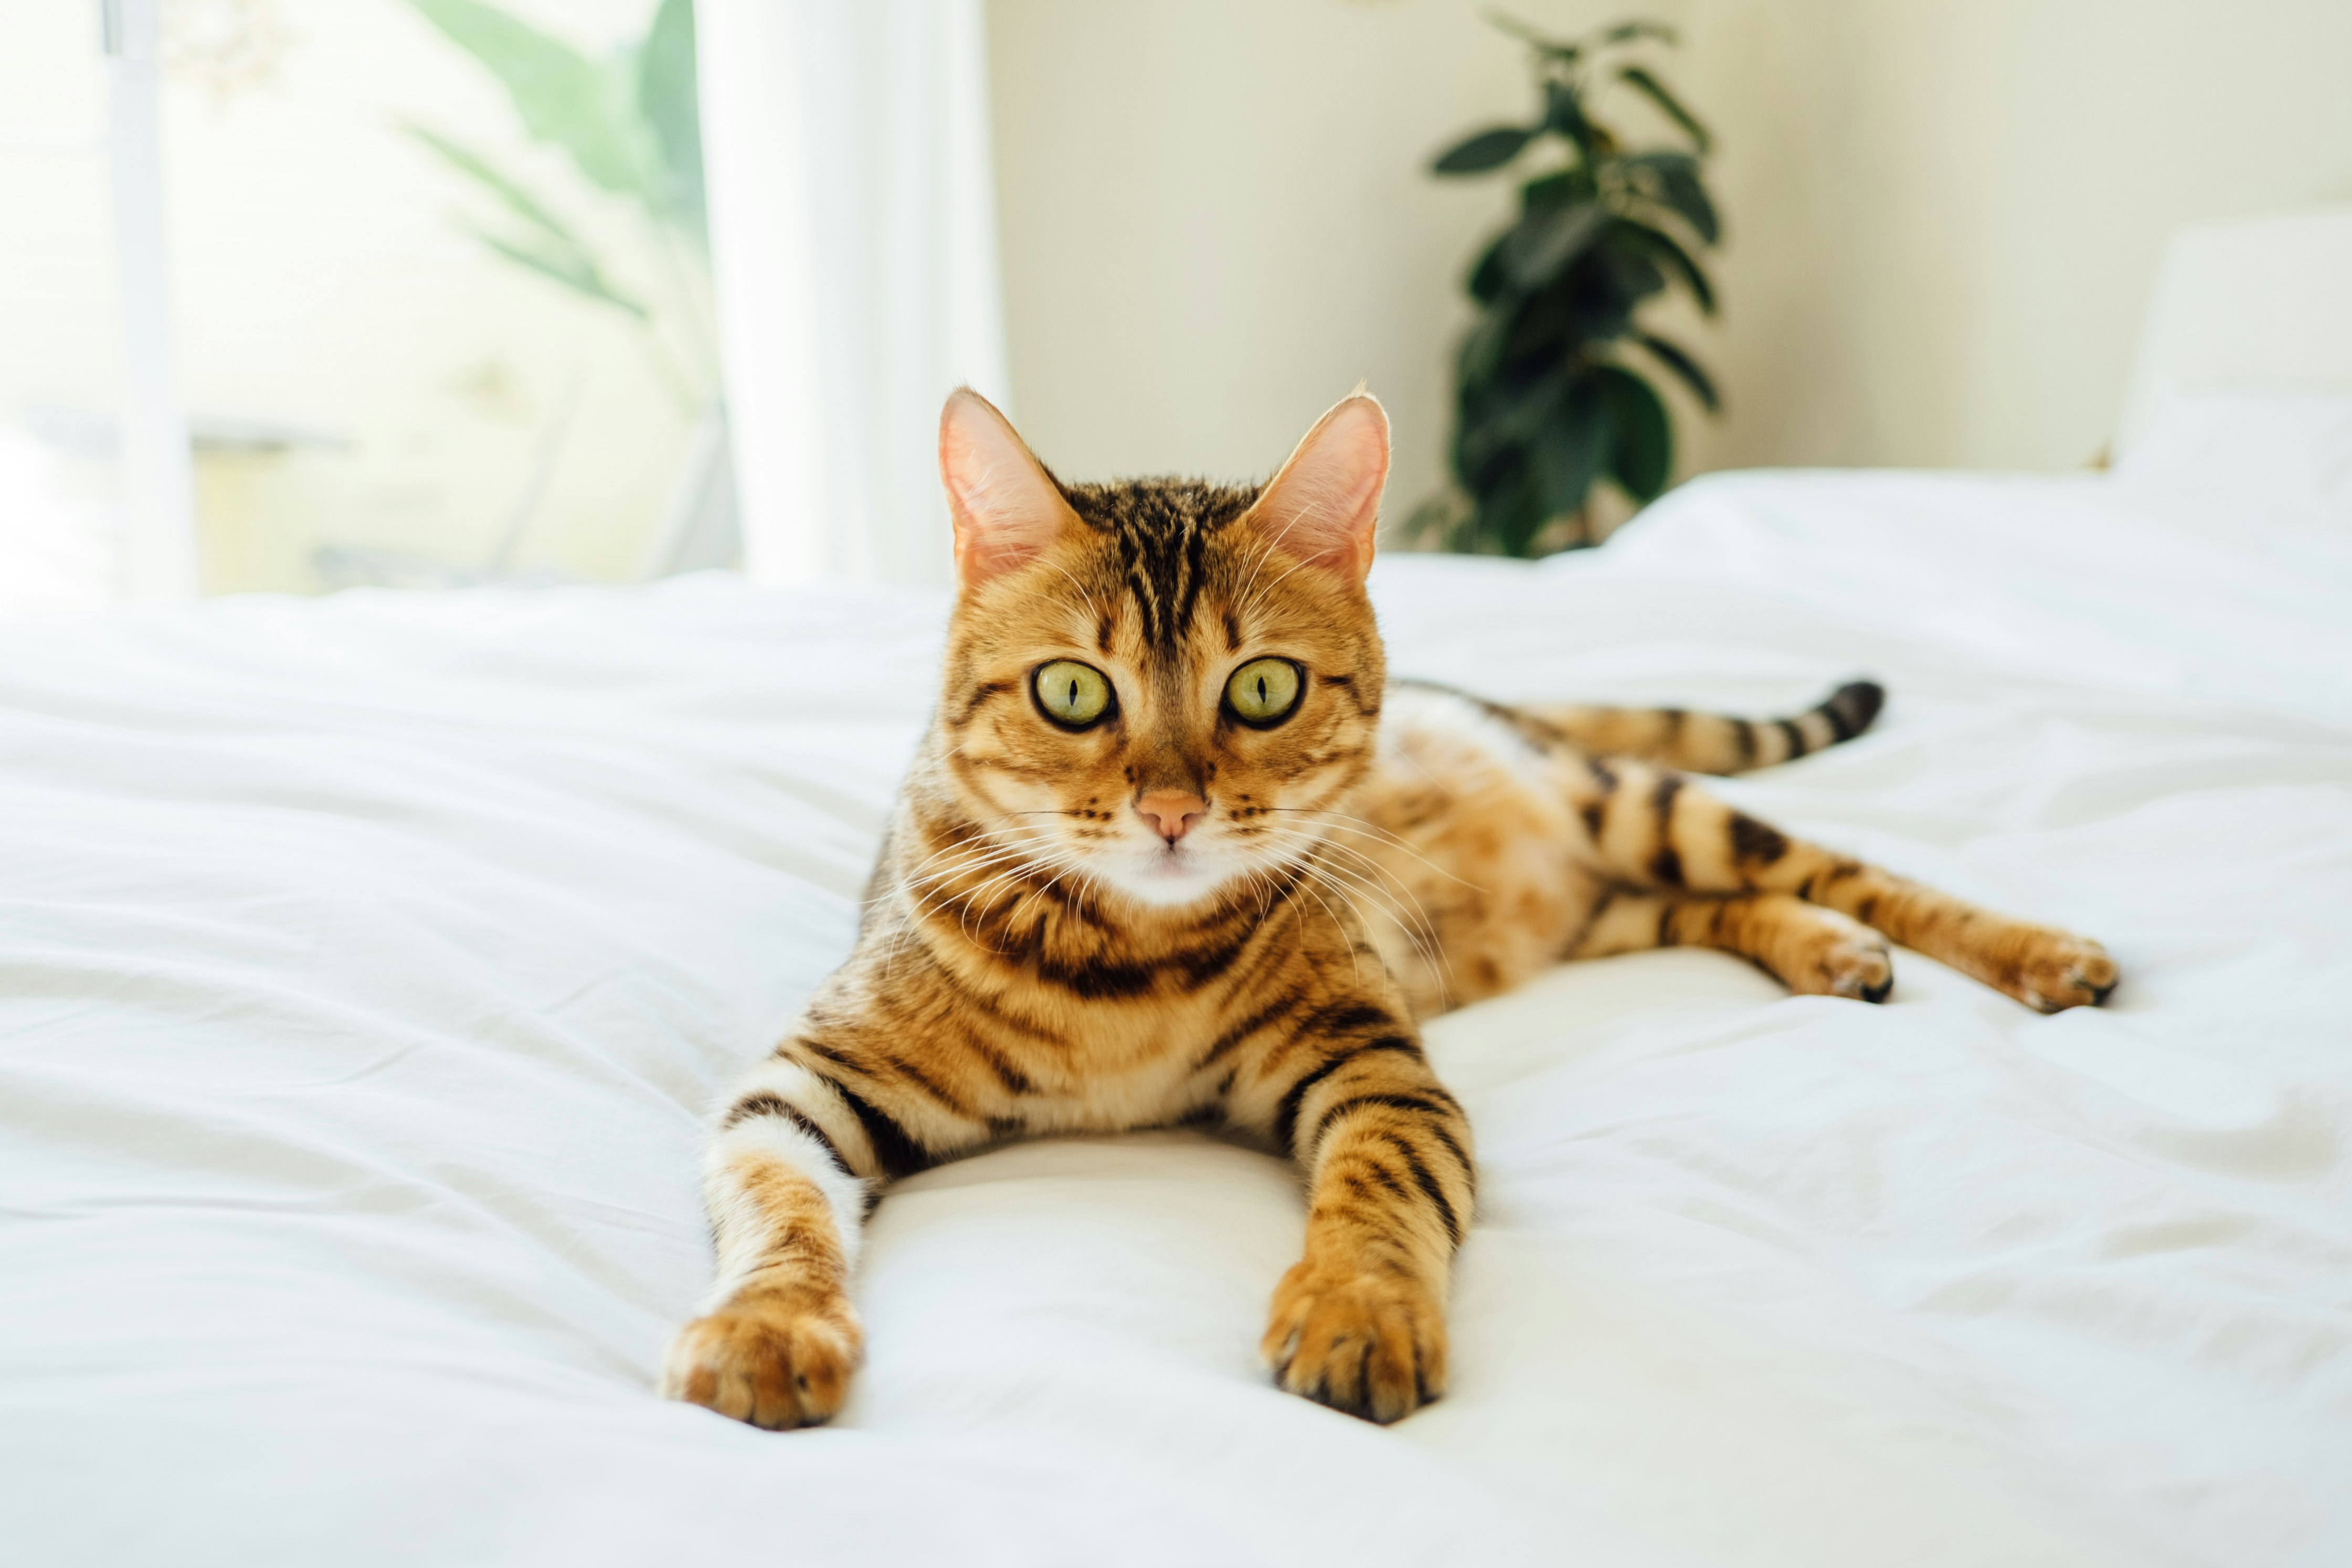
(1163, 688)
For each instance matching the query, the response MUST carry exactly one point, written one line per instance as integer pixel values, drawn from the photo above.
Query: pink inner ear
(1325, 505)
(1006, 510)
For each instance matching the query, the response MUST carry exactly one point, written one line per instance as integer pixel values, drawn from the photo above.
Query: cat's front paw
(775, 1359)
(1364, 1341)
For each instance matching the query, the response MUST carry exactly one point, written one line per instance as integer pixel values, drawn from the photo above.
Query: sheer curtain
(853, 223)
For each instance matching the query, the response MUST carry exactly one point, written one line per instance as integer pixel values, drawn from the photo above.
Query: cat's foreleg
(1358, 1322)
(1656, 830)
(785, 1182)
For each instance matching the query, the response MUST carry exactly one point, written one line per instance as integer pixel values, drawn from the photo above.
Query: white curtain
(852, 232)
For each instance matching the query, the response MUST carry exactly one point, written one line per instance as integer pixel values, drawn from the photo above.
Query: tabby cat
(1175, 848)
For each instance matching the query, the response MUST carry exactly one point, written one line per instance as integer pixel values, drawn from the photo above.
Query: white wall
(1943, 218)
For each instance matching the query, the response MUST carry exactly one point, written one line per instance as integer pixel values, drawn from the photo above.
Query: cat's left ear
(1006, 507)
(1325, 504)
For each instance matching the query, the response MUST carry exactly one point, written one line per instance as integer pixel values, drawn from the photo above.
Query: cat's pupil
(1074, 694)
(1261, 689)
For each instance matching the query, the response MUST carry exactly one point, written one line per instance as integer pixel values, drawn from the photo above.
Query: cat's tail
(1711, 743)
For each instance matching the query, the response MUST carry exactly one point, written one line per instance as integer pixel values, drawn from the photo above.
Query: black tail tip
(1854, 705)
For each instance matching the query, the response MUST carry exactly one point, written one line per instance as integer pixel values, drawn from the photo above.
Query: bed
(368, 967)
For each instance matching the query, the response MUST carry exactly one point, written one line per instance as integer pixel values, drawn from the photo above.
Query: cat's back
(1465, 778)
(1462, 846)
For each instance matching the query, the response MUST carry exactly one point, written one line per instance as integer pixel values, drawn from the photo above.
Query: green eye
(1262, 691)
(1071, 693)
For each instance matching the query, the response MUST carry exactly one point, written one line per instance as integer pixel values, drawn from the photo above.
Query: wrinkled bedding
(368, 965)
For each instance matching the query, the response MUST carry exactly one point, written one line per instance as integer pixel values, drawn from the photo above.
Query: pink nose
(1172, 813)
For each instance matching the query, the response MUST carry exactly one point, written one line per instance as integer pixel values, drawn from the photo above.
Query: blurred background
(434, 295)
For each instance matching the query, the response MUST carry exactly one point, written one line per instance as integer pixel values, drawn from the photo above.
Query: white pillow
(2248, 457)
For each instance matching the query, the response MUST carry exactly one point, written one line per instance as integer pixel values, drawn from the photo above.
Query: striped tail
(1711, 743)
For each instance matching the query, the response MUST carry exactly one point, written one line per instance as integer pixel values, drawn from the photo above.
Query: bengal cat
(1175, 848)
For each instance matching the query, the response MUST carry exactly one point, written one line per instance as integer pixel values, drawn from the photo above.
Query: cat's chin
(1167, 880)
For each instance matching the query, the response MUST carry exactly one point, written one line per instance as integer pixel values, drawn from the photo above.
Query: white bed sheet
(367, 965)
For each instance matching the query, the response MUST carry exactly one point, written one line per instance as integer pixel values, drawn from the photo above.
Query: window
(439, 290)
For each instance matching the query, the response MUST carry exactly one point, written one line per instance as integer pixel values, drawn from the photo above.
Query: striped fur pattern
(1113, 906)
(1703, 742)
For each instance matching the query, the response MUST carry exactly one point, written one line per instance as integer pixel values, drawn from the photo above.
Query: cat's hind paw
(776, 1359)
(2062, 971)
(1849, 960)
(1366, 1341)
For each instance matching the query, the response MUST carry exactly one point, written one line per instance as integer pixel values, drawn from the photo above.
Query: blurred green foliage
(629, 123)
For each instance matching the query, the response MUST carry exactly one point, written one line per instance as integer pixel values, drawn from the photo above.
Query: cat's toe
(777, 1360)
(1368, 1342)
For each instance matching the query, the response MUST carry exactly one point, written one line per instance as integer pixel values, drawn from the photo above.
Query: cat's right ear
(1006, 509)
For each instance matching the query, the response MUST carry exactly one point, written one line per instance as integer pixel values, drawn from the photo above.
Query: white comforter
(367, 965)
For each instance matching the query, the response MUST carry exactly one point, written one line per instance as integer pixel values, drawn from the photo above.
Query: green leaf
(1487, 150)
(1564, 112)
(1684, 194)
(1511, 514)
(1658, 162)
(1547, 239)
(1562, 187)
(1526, 518)
(1626, 32)
(1672, 180)
(1671, 356)
(553, 251)
(1626, 264)
(1642, 456)
(477, 168)
(1542, 326)
(572, 268)
(1662, 246)
(1566, 454)
(590, 110)
(1498, 420)
(668, 97)
(1482, 350)
(1603, 316)
(1655, 90)
(1550, 48)
(1486, 279)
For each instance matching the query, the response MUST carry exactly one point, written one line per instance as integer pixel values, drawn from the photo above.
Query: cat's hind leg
(1810, 950)
(1657, 831)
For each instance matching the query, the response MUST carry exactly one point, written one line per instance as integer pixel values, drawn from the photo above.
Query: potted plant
(1553, 394)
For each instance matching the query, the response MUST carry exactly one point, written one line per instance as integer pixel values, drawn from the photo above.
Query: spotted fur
(1039, 955)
